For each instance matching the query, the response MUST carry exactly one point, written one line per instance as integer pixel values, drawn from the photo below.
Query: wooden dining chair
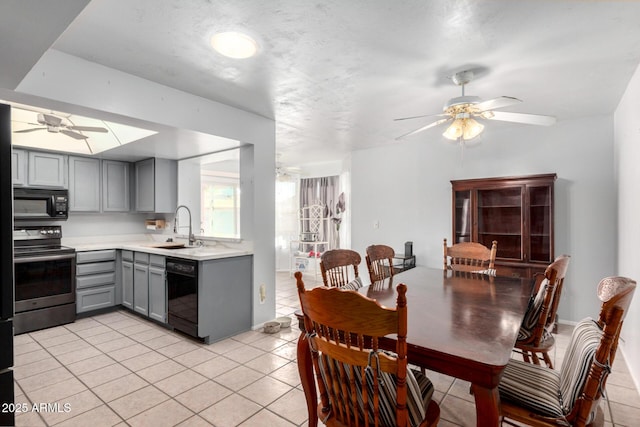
(360, 384)
(470, 256)
(535, 335)
(339, 267)
(541, 396)
(379, 260)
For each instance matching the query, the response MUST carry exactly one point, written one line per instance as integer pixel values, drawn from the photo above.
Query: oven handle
(20, 260)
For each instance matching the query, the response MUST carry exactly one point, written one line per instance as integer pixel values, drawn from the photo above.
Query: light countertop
(142, 243)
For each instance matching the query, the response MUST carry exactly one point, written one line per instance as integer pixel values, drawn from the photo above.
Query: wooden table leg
(487, 406)
(305, 369)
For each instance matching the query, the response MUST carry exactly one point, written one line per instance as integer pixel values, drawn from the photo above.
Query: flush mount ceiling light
(234, 44)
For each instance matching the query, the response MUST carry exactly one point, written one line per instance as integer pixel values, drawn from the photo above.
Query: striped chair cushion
(419, 393)
(547, 391)
(354, 285)
(577, 360)
(533, 313)
(532, 386)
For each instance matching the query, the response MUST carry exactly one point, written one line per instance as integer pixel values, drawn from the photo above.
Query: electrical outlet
(263, 294)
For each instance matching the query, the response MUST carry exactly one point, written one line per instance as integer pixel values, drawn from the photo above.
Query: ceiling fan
(285, 173)
(56, 124)
(463, 111)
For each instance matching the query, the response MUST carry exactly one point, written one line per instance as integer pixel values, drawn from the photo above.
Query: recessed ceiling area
(54, 130)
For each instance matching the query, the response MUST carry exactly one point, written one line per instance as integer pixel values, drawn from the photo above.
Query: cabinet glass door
(462, 216)
(500, 219)
(540, 223)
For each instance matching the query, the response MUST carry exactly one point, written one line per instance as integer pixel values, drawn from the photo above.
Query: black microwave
(40, 204)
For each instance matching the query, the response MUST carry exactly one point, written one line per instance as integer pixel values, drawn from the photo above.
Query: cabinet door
(145, 185)
(462, 218)
(157, 294)
(499, 212)
(84, 184)
(19, 167)
(540, 245)
(115, 186)
(141, 288)
(127, 284)
(47, 169)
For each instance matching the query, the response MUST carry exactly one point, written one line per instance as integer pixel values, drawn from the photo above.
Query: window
(220, 205)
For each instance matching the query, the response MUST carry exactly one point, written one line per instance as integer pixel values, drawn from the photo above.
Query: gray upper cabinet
(84, 184)
(115, 186)
(47, 170)
(156, 185)
(19, 167)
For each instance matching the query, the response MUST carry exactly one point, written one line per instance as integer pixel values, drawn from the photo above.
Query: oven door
(44, 281)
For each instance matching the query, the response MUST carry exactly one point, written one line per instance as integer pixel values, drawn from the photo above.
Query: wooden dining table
(460, 324)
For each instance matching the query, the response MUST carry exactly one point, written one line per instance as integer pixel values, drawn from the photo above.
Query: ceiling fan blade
(88, 128)
(72, 134)
(418, 117)
(530, 119)
(28, 130)
(499, 102)
(430, 125)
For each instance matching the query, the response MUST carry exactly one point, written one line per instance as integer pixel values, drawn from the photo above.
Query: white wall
(627, 154)
(406, 189)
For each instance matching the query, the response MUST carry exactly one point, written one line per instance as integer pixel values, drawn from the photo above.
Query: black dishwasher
(182, 295)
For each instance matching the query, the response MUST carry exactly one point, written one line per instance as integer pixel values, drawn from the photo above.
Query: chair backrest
(379, 262)
(542, 313)
(594, 361)
(336, 264)
(469, 256)
(343, 329)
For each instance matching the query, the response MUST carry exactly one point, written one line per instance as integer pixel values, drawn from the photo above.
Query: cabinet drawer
(141, 258)
(127, 255)
(95, 280)
(157, 260)
(94, 256)
(95, 267)
(95, 298)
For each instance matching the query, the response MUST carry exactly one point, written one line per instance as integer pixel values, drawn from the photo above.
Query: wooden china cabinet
(515, 211)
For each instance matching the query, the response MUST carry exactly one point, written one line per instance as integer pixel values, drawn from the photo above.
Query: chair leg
(547, 359)
(525, 356)
(535, 358)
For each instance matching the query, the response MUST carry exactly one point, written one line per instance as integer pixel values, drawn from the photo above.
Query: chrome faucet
(192, 238)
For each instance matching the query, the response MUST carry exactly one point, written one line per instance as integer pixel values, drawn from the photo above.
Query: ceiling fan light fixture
(455, 130)
(472, 129)
(234, 44)
(465, 128)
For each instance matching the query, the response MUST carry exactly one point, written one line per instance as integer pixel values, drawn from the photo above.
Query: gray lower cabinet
(144, 288)
(141, 283)
(157, 289)
(127, 279)
(224, 297)
(95, 280)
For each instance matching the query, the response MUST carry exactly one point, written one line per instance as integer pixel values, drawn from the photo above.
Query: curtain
(324, 191)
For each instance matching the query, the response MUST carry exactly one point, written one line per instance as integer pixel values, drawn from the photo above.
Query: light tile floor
(120, 369)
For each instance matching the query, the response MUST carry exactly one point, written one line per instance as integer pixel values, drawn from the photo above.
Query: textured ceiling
(335, 73)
